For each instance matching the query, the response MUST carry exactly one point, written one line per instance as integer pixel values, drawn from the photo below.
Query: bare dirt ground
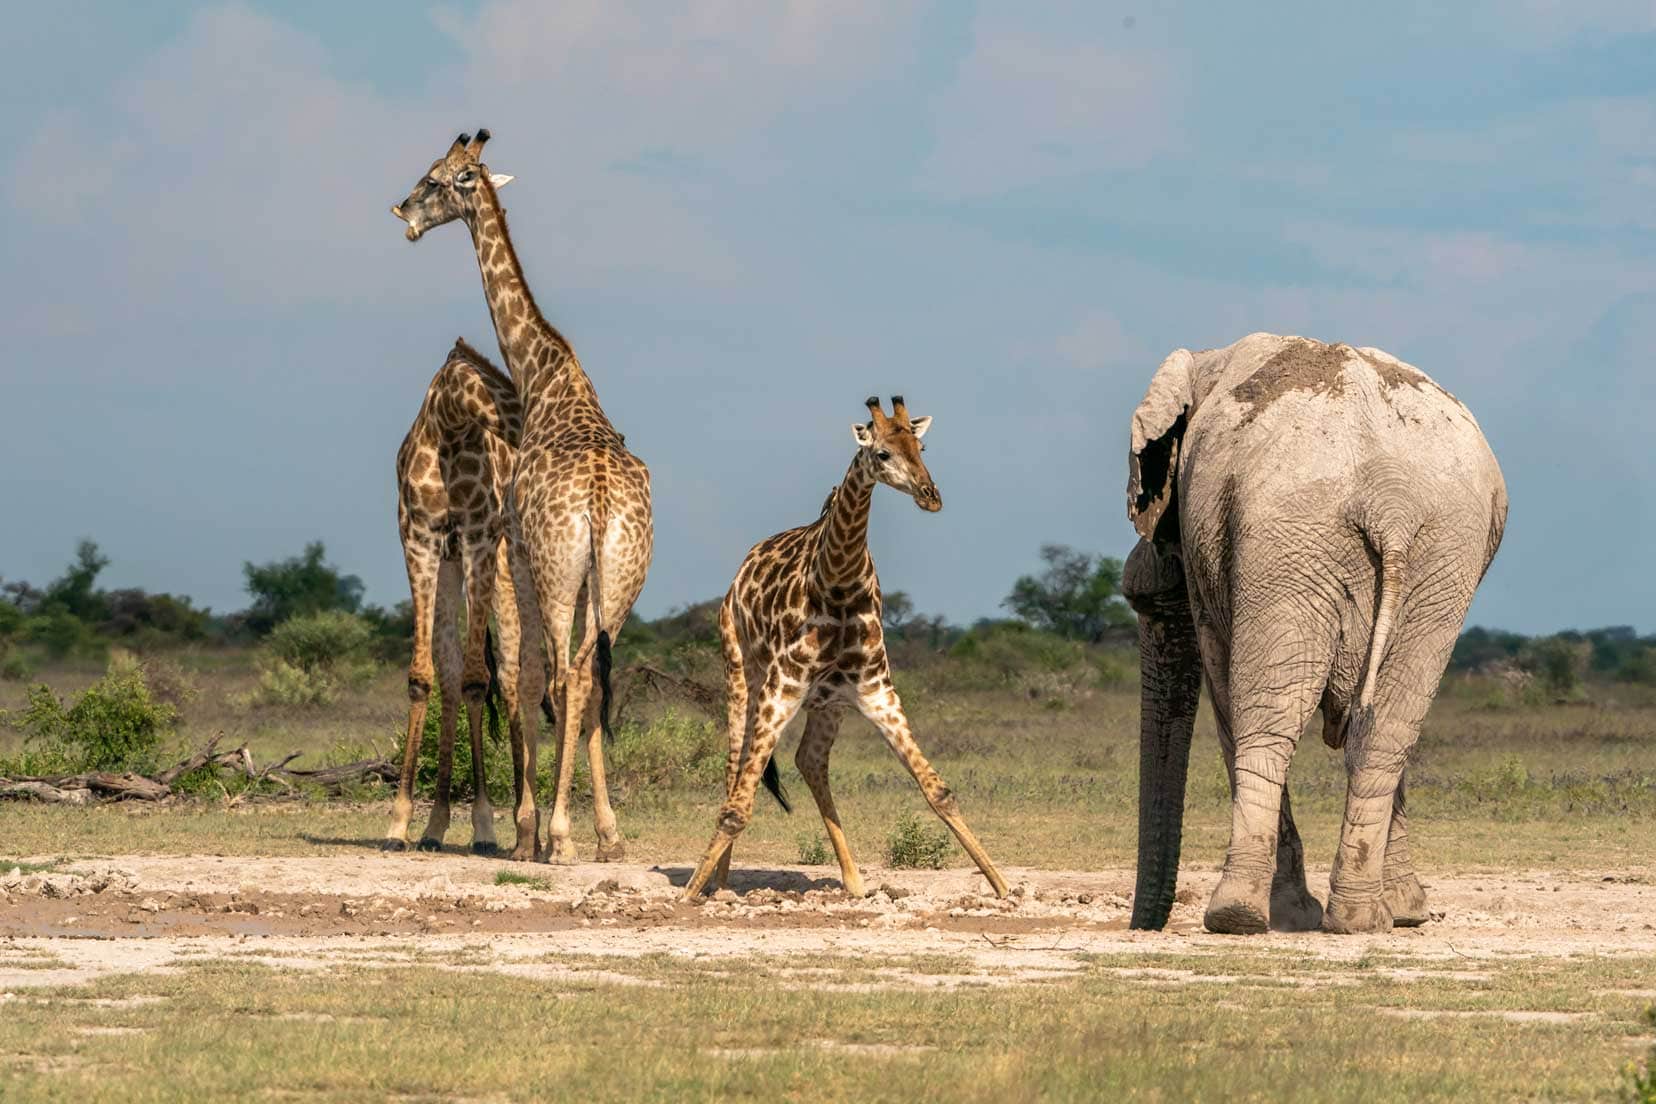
(88, 919)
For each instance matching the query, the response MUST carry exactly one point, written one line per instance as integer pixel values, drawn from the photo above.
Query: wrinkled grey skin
(1315, 519)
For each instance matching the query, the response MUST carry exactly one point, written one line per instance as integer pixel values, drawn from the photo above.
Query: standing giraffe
(580, 501)
(801, 626)
(454, 472)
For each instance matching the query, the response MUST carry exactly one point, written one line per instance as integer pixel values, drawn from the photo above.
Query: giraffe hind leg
(423, 562)
(475, 682)
(821, 726)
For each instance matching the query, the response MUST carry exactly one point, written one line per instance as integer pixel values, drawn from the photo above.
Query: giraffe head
(891, 451)
(450, 189)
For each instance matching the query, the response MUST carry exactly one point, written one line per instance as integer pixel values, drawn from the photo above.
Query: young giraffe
(801, 626)
(580, 501)
(454, 472)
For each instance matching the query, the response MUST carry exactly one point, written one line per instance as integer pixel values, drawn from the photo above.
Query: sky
(748, 216)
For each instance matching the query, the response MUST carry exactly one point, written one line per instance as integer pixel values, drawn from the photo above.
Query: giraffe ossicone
(801, 627)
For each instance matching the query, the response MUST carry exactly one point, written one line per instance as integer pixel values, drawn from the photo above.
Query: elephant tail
(1393, 560)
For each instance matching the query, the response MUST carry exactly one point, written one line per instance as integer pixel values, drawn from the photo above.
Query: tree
(1078, 595)
(76, 590)
(898, 611)
(297, 585)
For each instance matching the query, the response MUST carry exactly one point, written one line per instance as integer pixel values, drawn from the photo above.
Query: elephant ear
(1157, 435)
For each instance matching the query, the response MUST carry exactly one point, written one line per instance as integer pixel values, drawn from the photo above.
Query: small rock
(896, 893)
(149, 904)
(725, 896)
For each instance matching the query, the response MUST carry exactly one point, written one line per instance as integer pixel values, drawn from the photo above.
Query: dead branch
(192, 763)
(44, 791)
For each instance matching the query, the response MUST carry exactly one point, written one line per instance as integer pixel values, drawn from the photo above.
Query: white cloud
(1026, 107)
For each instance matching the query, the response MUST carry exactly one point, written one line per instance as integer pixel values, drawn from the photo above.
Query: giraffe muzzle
(928, 498)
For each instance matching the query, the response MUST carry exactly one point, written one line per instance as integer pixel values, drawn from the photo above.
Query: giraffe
(453, 474)
(580, 505)
(800, 625)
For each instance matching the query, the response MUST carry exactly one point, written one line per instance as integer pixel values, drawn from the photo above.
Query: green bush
(497, 757)
(1639, 1078)
(313, 657)
(813, 849)
(672, 751)
(917, 844)
(323, 641)
(117, 724)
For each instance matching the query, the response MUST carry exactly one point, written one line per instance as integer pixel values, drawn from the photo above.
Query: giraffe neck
(536, 354)
(842, 555)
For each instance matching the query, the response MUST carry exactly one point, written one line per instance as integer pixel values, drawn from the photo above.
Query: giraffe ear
(500, 180)
(920, 425)
(862, 435)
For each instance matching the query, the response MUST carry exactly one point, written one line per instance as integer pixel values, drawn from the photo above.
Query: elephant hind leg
(1405, 896)
(1268, 711)
(1292, 907)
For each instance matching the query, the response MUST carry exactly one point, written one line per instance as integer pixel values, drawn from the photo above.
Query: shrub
(673, 750)
(813, 849)
(1559, 666)
(497, 757)
(323, 641)
(312, 658)
(298, 585)
(1639, 1078)
(916, 844)
(116, 724)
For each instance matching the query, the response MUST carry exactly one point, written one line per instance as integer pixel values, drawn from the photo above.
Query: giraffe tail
(603, 660)
(773, 783)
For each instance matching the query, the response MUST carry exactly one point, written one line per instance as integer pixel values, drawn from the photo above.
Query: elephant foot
(1293, 909)
(394, 845)
(486, 848)
(1356, 915)
(428, 844)
(1406, 898)
(1239, 906)
(611, 852)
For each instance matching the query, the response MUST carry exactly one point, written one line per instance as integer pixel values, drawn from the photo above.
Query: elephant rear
(1315, 519)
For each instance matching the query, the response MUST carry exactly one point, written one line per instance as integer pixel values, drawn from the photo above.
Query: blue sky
(748, 216)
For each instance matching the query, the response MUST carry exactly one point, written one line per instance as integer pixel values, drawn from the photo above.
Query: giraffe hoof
(612, 852)
(394, 845)
(429, 845)
(488, 849)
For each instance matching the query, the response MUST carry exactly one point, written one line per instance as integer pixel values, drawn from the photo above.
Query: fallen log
(44, 791)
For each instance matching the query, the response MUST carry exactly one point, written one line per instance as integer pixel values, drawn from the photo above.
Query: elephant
(1313, 521)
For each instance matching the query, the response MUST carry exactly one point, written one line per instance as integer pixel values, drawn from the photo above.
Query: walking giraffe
(801, 626)
(454, 472)
(580, 513)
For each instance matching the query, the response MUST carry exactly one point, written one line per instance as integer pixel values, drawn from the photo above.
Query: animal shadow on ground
(748, 880)
(373, 844)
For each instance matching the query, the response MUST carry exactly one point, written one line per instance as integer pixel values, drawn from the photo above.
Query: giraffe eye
(884, 455)
(466, 177)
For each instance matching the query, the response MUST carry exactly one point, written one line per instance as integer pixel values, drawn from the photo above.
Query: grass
(517, 878)
(747, 1029)
(1549, 785)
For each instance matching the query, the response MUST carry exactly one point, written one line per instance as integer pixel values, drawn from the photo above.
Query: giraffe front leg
(821, 726)
(878, 702)
(779, 701)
